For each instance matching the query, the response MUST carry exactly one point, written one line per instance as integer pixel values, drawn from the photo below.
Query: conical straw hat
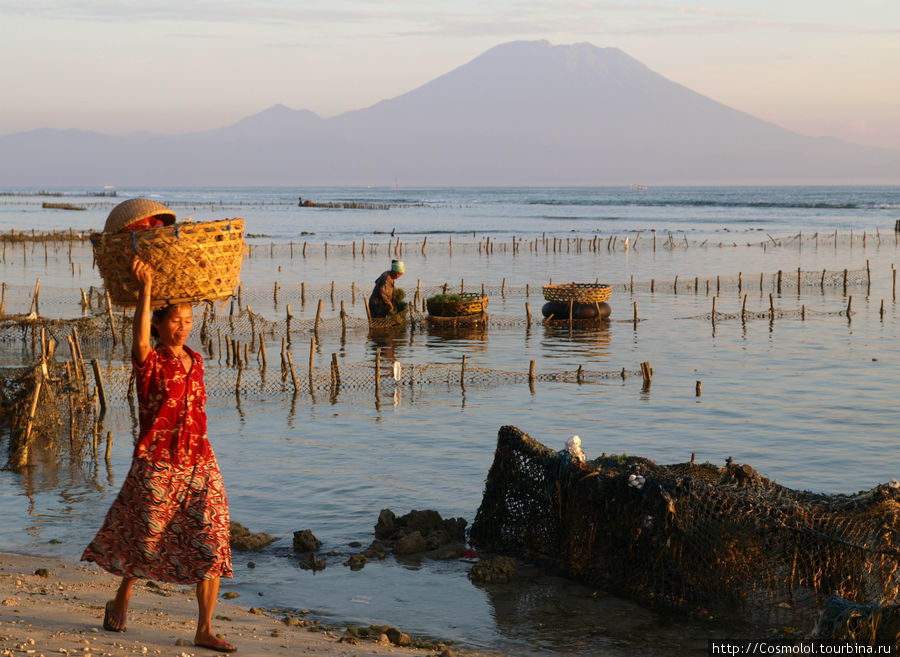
(135, 209)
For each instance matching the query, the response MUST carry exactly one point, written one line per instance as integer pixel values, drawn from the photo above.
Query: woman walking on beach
(170, 520)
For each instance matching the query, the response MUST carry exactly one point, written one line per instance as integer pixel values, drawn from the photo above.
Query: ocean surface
(808, 398)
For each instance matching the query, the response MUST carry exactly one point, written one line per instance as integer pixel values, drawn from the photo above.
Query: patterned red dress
(170, 520)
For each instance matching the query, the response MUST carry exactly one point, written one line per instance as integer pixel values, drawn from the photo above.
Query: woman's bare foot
(213, 642)
(113, 620)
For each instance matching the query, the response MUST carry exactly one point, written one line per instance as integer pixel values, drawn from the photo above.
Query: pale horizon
(173, 68)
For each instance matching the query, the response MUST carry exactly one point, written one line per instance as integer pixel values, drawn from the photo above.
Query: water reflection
(540, 614)
(585, 338)
(390, 339)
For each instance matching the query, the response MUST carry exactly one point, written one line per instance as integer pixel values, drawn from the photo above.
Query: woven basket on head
(470, 303)
(135, 209)
(191, 261)
(577, 292)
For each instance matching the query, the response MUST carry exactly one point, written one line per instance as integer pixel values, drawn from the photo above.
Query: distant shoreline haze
(522, 113)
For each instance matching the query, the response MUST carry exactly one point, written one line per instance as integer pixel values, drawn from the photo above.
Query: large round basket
(191, 261)
(577, 292)
(470, 303)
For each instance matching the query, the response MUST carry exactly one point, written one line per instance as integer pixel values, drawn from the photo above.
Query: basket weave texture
(135, 209)
(191, 261)
(470, 304)
(577, 292)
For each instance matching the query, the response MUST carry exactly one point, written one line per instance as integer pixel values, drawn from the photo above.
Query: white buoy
(573, 446)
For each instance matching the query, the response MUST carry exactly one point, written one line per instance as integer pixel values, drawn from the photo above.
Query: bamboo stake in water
(318, 316)
(335, 374)
(81, 367)
(252, 328)
(312, 354)
(291, 368)
(377, 373)
(34, 299)
(287, 323)
(112, 322)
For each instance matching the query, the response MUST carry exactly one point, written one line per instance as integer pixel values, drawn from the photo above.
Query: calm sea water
(810, 403)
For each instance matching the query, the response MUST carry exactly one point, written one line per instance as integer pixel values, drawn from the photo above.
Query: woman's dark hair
(158, 315)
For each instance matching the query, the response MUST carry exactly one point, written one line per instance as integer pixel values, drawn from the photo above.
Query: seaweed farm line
(783, 355)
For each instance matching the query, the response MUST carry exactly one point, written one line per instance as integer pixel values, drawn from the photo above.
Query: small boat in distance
(639, 187)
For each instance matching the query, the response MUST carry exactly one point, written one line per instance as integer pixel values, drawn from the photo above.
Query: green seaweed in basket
(445, 298)
(399, 301)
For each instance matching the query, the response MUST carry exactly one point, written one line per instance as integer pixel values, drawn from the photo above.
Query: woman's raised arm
(140, 345)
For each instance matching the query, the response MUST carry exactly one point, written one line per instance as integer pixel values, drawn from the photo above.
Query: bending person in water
(381, 301)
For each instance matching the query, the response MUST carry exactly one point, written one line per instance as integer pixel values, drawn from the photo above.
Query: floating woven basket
(470, 303)
(577, 292)
(191, 261)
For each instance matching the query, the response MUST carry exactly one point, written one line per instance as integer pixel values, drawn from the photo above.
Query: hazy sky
(819, 67)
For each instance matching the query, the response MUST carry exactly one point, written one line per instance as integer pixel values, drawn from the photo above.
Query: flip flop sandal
(111, 622)
(216, 644)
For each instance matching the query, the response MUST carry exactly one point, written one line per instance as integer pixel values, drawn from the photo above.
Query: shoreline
(60, 612)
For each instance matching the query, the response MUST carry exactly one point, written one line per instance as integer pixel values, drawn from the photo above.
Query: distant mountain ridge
(522, 113)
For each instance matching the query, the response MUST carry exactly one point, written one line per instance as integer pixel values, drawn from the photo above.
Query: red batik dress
(170, 520)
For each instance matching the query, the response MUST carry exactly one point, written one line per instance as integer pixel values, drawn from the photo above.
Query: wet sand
(61, 614)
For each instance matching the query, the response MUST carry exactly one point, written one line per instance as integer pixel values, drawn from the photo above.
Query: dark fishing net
(48, 409)
(690, 536)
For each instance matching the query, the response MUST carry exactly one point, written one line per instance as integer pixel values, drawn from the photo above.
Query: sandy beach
(60, 612)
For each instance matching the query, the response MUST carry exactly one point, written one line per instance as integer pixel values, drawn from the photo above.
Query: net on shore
(690, 536)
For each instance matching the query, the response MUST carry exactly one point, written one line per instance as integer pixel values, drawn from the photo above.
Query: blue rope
(134, 240)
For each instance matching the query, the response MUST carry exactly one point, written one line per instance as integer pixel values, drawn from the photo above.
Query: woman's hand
(143, 273)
